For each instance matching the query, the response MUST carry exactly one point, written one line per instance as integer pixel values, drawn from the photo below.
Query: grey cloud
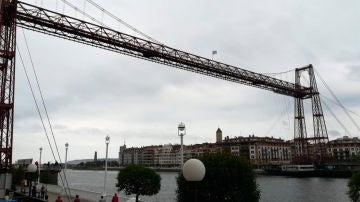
(334, 133)
(354, 72)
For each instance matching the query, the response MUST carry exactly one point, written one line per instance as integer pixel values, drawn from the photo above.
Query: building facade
(345, 148)
(259, 150)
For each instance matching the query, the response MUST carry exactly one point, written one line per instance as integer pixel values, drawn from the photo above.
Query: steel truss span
(56, 24)
(14, 13)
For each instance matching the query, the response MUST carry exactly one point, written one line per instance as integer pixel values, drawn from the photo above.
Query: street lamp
(194, 171)
(107, 141)
(39, 164)
(31, 169)
(66, 151)
(181, 133)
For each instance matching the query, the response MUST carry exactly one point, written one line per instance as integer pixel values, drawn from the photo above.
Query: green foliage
(138, 180)
(354, 187)
(18, 174)
(227, 178)
(113, 164)
(355, 158)
(46, 177)
(32, 176)
(96, 164)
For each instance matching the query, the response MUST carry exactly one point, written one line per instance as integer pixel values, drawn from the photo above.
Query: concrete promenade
(53, 191)
(85, 196)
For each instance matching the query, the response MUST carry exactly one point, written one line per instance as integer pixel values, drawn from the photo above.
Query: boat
(296, 170)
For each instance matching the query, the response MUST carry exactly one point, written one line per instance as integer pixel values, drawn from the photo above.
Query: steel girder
(56, 24)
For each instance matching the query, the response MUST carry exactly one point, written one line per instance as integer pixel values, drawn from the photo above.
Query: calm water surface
(273, 188)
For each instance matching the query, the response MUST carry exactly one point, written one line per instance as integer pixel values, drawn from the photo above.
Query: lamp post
(107, 141)
(66, 151)
(39, 164)
(194, 171)
(181, 133)
(31, 169)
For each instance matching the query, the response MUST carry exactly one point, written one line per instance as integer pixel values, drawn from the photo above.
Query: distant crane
(15, 13)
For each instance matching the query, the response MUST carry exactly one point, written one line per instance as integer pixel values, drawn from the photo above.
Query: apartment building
(344, 148)
(259, 150)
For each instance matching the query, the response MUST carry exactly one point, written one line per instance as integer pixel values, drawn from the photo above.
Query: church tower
(218, 136)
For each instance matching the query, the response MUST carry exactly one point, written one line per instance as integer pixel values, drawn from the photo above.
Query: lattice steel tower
(7, 76)
(309, 149)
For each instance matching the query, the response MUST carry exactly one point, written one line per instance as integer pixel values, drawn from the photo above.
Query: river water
(273, 188)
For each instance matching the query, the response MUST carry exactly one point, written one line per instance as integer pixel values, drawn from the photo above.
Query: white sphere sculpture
(193, 170)
(31, 168)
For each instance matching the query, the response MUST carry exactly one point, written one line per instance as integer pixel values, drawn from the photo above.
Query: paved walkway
(53, 197)
(54, 191)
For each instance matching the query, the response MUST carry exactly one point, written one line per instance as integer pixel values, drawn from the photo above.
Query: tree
(138, 180)
(46, 177)
(114, 164)
(227, 178)
(354, 187)
(18, 174)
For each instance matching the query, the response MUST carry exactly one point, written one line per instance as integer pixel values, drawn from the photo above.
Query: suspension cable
(282, 114)
(43, 103)
(110, 15)
(38, 109)
(338, 101)
(277, 73)
(336, 118)
(122, 21)
(327, 106)
(332, 101)
(84, 13)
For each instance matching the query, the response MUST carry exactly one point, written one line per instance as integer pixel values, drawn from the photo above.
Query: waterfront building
(345, 148)
(165, 155)
(147, 156)
(198, 150)
(131, 156)
(121, 155)
(170, 155)
(259, 150)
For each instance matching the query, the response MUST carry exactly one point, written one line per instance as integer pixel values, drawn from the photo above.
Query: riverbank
(273, 188)
(119, 168)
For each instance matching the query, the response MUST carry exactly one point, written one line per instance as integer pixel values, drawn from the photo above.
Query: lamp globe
(193, 170)
(31, 168)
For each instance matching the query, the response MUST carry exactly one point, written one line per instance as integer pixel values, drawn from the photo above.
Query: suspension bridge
(16, 14)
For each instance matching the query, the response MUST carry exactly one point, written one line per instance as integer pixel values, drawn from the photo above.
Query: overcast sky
(91, 93)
